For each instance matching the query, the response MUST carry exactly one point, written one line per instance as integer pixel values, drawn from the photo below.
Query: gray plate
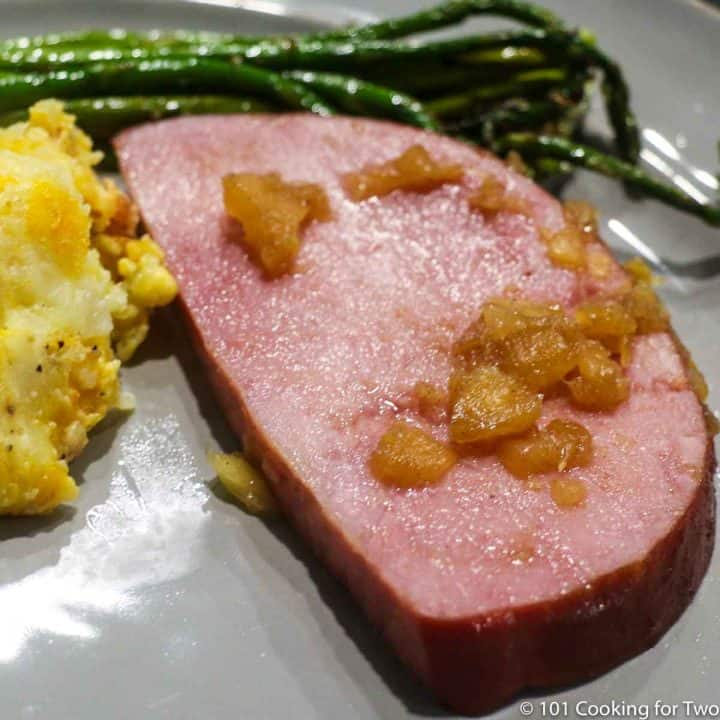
(154, 598)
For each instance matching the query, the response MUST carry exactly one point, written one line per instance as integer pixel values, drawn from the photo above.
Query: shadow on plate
(32, 525)
(164, 339)
(101, 439)
(406, 687)
(350, 617)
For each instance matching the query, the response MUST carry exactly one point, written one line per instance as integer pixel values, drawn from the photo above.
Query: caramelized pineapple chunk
(609, 322)
(581, 215)
(647, 310)
(639, 271)
(492, 197)
(414, 171)
(568, 492)
(573, 441)
(540, 358)
(565, 248)
(489, 198)
(499, 319)
(272, 213)
(599, 263)
(561, 445)
(601, 384)
(409, 457)
(516, 350)
(535, 343)
(504, 317)
(487, 404)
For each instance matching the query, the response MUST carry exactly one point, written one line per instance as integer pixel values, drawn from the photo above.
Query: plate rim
(315, 13)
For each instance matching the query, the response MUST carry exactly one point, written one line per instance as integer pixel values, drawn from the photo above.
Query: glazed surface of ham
(483, 586)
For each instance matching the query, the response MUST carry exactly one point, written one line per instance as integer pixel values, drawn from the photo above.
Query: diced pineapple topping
(610, 323)
(568, 492)
(582, 216)
(516, 349)
(561, 445)
(409, 457)
(567, 247)
(541, 347)
(600, 384)
(640, 272)
(272, 213)
(605, 320)
(413, 171)
(488, 404)
(506, 361)
(535, 343)
(489, 197)
(647, 310)
(492, 197)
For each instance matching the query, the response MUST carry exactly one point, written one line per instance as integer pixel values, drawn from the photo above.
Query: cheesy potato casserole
(77, 286)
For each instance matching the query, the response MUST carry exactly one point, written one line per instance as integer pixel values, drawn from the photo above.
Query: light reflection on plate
(147, 532)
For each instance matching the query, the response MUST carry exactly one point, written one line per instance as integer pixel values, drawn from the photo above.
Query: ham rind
(483, 586)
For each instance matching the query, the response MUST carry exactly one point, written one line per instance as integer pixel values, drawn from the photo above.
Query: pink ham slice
(482, 586)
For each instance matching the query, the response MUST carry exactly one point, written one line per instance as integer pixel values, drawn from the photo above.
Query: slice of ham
(483, 586)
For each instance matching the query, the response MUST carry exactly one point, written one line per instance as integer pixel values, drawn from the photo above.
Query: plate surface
(154, 598)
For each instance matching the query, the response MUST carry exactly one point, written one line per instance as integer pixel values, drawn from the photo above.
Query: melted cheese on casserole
(76, 290)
